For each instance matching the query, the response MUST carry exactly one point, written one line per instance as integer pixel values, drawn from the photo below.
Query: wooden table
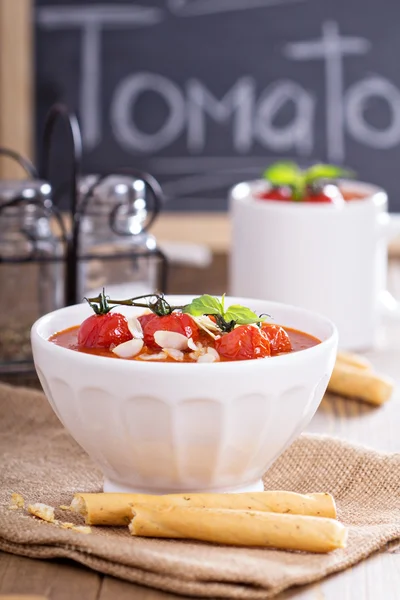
(377, 578)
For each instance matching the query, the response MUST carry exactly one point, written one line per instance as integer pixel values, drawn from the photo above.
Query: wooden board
(212, 229)
(16, 75)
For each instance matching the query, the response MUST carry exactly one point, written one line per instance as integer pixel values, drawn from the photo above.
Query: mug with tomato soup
(328, 258)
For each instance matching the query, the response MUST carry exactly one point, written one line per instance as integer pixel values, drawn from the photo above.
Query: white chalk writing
(246, 112)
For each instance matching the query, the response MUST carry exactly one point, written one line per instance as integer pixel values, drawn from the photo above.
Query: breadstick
(353, 360)
(106, 509)
(239, 527)
(359, 383)
(115, 509)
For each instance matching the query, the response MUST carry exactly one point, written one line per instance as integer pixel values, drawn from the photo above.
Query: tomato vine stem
(102, 304)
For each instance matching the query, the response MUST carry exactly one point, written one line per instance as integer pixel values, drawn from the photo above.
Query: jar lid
(11, 189)
(122, 193)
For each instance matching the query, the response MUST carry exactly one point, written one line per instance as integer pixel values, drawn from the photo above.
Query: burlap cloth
(40, 461)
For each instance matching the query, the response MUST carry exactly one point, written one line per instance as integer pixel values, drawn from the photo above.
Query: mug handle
(390, 228)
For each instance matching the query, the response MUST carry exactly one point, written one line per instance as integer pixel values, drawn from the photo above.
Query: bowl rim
(245, 192)
(90, 359)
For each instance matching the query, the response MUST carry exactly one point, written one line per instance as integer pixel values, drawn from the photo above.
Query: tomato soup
(68, 338)
(284, 195)
(205, 330)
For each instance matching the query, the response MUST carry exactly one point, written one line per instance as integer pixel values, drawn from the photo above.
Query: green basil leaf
(204, 305)
(322, 171)
(282, 173)
(223, 303)
(242, 315)
(299, 189)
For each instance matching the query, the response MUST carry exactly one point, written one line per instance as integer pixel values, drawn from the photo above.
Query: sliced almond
(159, 356)
(213, 352)
(210, 356)
(128, 349)
(207, 325)
(200, 350)
(191, 344)
(171, 339)
(206, 358)
(173, 353)
(207, 322)
(135, 327)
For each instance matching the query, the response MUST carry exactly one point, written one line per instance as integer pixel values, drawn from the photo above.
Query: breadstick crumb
(16, 502)
(78, 528)
(42, 511)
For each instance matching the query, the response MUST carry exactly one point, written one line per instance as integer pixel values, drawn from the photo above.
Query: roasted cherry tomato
(144, 319)
(243, 343)
(278, 338)
(101, 331)
(319, 198)
(278, 194)
(177, 322)
(328, 195)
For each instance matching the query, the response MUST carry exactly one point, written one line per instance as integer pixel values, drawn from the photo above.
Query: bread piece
(239, 527)
(115, 509)
(42, 511)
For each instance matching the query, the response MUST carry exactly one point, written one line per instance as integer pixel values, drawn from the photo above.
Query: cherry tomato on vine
(319, 198)
(101, 331)
(243, 343)
(278, 338)
(277, 194)
(329, 194)
(284, 194)
(177, 322)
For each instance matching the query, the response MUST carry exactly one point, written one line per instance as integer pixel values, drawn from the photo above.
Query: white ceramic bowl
(163, 428)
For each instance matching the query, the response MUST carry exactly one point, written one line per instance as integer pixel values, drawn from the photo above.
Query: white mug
(317, 256)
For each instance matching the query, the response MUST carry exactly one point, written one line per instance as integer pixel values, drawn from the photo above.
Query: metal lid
(27, 189)
(122, 196)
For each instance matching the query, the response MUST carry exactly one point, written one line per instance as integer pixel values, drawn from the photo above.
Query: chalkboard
(205, 93)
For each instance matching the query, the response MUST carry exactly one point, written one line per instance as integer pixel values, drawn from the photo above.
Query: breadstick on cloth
(239, 527)
(115, 509)
(353, 360)
(355, 382)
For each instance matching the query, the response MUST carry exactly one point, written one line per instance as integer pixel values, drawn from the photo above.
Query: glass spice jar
(31, 269)
(115, 250)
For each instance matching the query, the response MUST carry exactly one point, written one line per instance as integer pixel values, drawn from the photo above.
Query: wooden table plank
(24, 597)
(56, 580)
(114, 589)
(211, 228)
(16, 82)
(378, 578)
